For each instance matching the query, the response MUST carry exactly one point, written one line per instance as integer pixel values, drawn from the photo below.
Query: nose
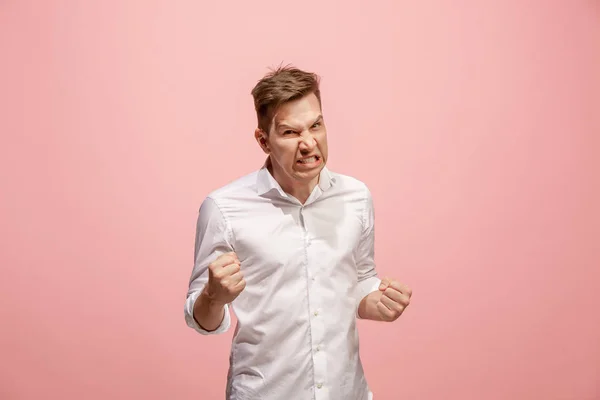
(307, 143)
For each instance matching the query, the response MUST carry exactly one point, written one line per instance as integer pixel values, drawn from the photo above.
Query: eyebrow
(286, 126)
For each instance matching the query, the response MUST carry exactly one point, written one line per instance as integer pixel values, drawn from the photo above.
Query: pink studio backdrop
(475, 124)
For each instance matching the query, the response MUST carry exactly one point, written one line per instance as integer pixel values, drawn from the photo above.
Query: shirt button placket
(317, 322)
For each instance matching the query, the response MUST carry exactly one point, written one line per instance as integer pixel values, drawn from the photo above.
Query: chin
(313, 174)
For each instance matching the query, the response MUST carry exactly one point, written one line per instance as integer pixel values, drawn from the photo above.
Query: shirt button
(319, 385)
(316, 313)
(318, 349)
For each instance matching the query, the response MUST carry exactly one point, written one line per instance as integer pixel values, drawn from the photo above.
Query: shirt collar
(265, 181)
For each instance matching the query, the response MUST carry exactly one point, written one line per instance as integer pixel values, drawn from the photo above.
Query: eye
(288, 132)
(316, 125)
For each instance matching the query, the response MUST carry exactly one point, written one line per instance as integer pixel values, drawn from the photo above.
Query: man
(290, 248)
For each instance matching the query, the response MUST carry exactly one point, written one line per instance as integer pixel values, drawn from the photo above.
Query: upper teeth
(308, 160)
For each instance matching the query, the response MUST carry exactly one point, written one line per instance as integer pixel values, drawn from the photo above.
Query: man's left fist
(395, 297)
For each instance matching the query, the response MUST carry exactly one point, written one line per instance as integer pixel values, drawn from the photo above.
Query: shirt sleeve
(213, 238)
(368, 280)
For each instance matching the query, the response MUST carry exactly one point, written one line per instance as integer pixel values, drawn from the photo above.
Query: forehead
(298, 112)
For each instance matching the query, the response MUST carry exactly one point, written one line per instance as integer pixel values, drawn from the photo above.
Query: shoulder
(356, 191)
(349, 183)
(239, 187)
(219, 202)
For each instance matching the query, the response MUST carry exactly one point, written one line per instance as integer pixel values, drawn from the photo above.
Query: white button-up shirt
(306, 266)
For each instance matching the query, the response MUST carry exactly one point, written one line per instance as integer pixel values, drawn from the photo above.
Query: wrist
(209, 300)
(208, 312)
(368, 306)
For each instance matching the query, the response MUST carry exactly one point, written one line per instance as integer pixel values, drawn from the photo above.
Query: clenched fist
(395, 297)
(225, 279)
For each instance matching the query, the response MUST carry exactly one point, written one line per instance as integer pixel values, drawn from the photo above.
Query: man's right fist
(225, 279)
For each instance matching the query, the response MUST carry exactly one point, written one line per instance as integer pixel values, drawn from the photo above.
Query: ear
(262, 140)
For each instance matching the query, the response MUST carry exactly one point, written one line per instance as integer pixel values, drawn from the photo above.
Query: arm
(213, 237)
(225, 283)
(368, 283)
(208, 313)
(378, 300)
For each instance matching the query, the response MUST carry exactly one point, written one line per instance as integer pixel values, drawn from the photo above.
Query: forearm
(208, 313)
(367, 308)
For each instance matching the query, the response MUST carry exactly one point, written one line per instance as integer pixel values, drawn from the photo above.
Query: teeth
(308, 160)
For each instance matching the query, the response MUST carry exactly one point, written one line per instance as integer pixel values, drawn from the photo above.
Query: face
(297, 143)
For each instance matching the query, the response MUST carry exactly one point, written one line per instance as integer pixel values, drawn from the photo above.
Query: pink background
(476, 124)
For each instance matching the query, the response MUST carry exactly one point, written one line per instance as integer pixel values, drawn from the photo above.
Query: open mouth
(309, 160)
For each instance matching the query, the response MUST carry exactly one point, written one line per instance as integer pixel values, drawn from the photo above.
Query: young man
(290, 248)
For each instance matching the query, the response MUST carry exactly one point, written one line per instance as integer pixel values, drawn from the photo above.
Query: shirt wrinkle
(307, 267)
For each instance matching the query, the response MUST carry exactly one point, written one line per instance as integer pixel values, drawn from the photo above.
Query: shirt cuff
(191, 321)
(365, 287)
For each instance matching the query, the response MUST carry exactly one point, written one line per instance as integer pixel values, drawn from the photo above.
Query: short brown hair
(285, 83)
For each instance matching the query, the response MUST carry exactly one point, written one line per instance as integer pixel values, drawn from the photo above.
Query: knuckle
(224, 260)
(388, 313)
(217, 274)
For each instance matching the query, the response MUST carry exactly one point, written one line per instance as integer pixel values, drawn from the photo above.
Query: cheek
(283, 150)
(290, 152)
(322, 143)
(322, 139)
(286, 154)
